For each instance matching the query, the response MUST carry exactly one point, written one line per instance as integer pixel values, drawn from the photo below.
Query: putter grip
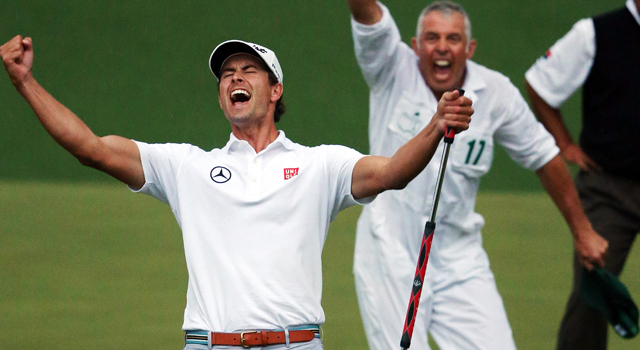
(418, 281)
(448, 137)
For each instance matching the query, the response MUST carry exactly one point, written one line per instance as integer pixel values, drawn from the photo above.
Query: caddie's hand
(591, 249)
(574, 154)
(17, 57)
(454, 111)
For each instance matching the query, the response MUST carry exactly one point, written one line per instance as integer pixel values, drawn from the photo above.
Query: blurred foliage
(139, 69)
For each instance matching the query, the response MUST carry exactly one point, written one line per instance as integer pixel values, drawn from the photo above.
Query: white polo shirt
(253, 226)
(566, 66)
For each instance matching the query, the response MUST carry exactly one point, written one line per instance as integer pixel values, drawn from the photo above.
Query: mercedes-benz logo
(220, 175)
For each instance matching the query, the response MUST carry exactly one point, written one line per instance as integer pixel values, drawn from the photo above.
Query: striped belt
(254, 338)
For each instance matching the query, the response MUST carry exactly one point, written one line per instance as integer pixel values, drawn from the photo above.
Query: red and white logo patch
(290, 172)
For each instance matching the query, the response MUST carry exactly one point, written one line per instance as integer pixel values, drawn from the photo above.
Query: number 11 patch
(290, 172)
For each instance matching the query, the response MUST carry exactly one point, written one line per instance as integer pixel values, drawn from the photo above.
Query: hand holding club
(454, 112)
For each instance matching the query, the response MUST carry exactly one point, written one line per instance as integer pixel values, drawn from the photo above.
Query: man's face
(442, 50)
(245, 94)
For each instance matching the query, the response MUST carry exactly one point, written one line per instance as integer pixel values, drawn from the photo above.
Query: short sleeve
(339, 162)
(376, 48)
(525, 139)
(161, 164)
(566, 66)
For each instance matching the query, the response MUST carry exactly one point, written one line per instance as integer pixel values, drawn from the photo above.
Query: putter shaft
(425, 248)
(436, 194)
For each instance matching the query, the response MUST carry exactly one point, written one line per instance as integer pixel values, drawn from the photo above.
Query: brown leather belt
(261, 338)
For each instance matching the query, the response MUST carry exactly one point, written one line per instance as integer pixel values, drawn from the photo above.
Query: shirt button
(255, 161)
(254, 179)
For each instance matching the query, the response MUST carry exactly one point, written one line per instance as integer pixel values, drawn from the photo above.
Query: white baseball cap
(232, 47)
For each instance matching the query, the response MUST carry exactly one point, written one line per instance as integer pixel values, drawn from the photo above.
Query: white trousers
(466, 314)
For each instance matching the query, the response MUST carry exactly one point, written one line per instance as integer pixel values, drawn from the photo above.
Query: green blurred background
(139, 69)
(86, 264)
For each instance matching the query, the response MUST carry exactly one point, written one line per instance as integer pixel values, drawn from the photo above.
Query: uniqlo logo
(290, 172)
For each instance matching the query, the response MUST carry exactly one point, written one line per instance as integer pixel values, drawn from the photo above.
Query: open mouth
(442, 66)
(240, 96)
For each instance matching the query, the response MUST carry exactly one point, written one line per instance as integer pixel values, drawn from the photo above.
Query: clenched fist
(454, 111)
(17, 57)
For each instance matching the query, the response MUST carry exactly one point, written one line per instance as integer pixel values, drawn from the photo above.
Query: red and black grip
(418, 281)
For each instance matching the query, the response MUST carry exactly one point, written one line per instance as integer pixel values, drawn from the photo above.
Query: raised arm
(365, 11)
(589, 245)
(116, 156)
(374, 174)
(552, 120)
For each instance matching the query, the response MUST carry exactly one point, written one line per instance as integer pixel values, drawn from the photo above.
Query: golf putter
(425, 247)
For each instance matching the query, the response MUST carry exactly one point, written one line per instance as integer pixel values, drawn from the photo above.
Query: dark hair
(280, 107)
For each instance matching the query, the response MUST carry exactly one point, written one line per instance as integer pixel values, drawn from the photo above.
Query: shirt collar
(235, 143)
(473, 81)
(282, 140)
(631, 6)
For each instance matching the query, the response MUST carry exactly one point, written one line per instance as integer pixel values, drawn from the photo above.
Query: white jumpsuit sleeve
(375, 46)
(525, 139)
(565, 67)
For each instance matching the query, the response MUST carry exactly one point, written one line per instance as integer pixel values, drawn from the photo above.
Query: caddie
(254, 214)
(460, 305)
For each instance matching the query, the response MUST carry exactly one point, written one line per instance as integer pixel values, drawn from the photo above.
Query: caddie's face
(245, 94)
(442, 51)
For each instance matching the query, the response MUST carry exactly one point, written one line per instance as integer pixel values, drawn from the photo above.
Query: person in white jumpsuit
(460, 305)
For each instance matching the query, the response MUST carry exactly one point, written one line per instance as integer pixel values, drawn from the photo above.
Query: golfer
(255, 213)
(460, 304)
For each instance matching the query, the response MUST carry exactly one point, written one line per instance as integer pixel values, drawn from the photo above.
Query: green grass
(531, 253)
(88, 264)
(93, 266)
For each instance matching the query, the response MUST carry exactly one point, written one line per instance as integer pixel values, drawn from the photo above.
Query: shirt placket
(255, 177)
